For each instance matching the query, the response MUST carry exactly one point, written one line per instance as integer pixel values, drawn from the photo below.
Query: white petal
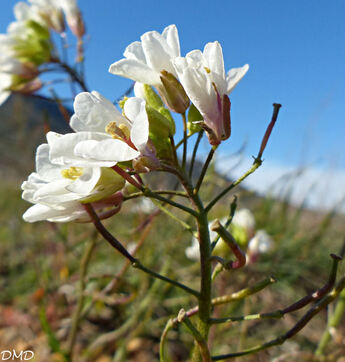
(157, 52)
(46, 170)
(234, 76)
(196, 56)
(133, 69)
(62, 150)
(110, 150)
(21, 11)
(84, 184)
(55, 192)
(170, 33)
(139, 90)
(40, 212)
(214, 56)
(93, 112)
(135, 110)
(135, 51)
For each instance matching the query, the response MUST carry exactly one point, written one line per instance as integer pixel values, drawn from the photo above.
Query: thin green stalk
(204, 169)
(335, 319)
(149, 193)
(76, 316)
(184, 154)
(139, 266)
(333, 323)
(173, 216)
(201, 342)
(195, 150)
(174, 148)
(257, 163)
(164, 335)
(135, 195)
(315, 309)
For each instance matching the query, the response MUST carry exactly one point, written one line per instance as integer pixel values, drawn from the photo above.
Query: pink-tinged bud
(173, 93)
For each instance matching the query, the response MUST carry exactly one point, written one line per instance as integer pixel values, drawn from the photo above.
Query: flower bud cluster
(28, 44)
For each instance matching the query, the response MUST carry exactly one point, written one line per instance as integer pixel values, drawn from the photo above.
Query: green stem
(333, 322)
(257, 163)
(138, 265)
(184, 154)
(164, 335)
(149, 193)
(204, 169)
(195, 150)
(173, 216)
(76, 316)
(201, 342)
(135, 195)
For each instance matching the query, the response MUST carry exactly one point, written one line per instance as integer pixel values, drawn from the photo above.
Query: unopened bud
(174, 94)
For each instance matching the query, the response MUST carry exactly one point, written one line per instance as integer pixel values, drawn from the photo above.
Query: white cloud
(318, 188)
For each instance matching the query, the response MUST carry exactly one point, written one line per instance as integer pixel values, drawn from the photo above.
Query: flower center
(120, 131)
(72, 173)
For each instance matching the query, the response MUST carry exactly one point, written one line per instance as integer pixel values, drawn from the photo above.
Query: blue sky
(296, 53)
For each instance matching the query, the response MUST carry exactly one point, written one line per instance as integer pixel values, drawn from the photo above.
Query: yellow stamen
(208, 70)
(72, 173)
(125, 130)
(120, 131)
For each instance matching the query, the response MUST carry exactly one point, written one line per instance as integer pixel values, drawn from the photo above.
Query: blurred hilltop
(24, 120)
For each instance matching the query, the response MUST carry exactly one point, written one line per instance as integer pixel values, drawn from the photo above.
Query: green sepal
(109, 182)
(159, 124)
(194, 116)
(154, 101)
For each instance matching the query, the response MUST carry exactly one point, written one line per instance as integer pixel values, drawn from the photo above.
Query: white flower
(206, 84)
(103, 136)
(261, 243)
(58, 191)
(145, 60)
(244, 218)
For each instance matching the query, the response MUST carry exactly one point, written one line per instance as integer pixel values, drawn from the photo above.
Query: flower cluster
(85, 166)
(28, 43)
